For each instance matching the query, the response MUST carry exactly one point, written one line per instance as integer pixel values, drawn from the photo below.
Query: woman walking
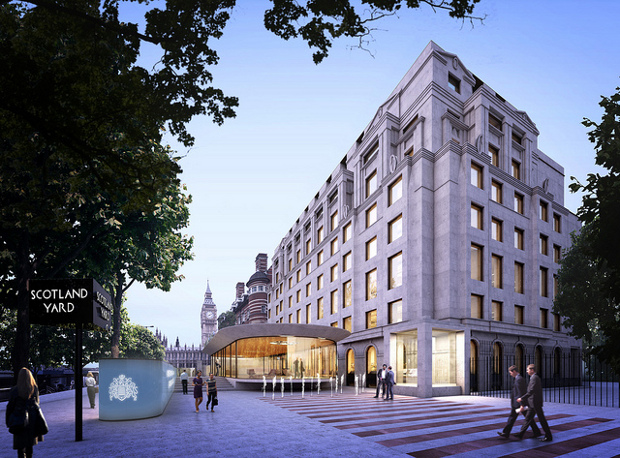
(197, 384)
(24, 393)
(211, 392)
(91, 384)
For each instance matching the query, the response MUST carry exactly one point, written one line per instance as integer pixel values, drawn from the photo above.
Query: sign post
(82, 302)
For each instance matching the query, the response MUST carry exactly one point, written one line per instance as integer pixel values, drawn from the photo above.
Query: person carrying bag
(24, 417)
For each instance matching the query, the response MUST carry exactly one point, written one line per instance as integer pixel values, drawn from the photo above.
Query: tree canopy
(589, 279)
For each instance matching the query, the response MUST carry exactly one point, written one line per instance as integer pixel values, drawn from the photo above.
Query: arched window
(350, 367)
(498, 371)
(473, 366)
(538, 361)
(519, 358)
(371, 366)
(557, 362)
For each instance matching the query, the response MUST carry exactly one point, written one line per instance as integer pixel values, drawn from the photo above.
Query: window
(319, 282)
(333, 272)
(496, 311)
(319, 307)
(496, 271)
(319, 258)
(371, 248)
(496, 191)
(298, 298)
(518, 238)
(299, 316)
(544, 318)
(476, 216)
(298, 256)
(476, 262)
(298, 275)
(557, 322)
(370, 155)
(556, 286)
(371, 284)
(334, 246)
(454, 83)
(308, 319)
(544, 245)
(334, 220)
(519, 314)
(496, 230)
(308, 246)
(395, 228)
(544, 289)
(346, 323)
(517, 137)
(290, 282)
(495, 122)
(395, 311)
(395, 190)
(308, 267)
(395, 271)
(557, 223)
(290, 301)
(371, 183)
(308, 289)
(518, 203)
(544, 211)
(494, 153)
(371, 215)
(371, 319)
(519, 270)
(476, 306)
(290, 264)
(290, 318)
(516, 169)
(347, 261)
(334, 301)
(346, 233)
(319, 235)
(476, 175)
(334, 324)
(348, 294)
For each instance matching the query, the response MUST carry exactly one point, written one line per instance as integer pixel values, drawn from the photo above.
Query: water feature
(303, 385)
(282, 385)
(264, 386)
(363, 383)
(273, 388)
(318, 384)
(356, 385)
(341, 382)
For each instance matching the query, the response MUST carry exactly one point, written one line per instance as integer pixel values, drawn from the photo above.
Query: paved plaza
(248, 424)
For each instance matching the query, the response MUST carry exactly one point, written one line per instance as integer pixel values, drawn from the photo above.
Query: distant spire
(208, 299)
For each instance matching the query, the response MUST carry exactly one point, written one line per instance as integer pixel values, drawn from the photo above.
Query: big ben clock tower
(208, 317)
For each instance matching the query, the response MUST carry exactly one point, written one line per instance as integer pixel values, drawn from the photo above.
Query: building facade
(435, 241)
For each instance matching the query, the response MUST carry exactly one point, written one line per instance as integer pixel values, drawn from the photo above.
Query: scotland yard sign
(69, 301)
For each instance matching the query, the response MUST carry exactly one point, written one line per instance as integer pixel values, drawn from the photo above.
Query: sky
(252, 177)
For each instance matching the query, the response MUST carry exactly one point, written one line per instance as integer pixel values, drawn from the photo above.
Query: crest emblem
(123, 388)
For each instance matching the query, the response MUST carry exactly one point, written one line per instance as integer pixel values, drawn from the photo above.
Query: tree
(144, 247)
(226, 319)
(600, 246)
(80, 120)
(581, 280)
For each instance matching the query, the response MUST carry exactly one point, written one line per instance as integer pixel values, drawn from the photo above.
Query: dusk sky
(251, 178)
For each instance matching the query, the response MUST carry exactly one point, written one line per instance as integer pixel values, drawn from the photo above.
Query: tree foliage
(592, 284)
(226, 319)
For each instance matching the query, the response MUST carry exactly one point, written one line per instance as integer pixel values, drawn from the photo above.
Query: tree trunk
(116, 328)
(21, 350)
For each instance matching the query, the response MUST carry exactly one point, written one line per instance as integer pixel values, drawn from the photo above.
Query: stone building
(435, 241)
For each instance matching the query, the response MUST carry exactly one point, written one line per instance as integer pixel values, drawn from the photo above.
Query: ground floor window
(444, 357)
(406, 369)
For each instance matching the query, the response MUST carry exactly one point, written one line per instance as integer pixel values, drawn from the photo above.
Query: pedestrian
(296, 367)
(197, 384)
(519, 388)
(24, 403)
(184, 379)
(390, 381)
(211, 392)
(302, 368)
(91, 388)
(534, 398)
(381, 374)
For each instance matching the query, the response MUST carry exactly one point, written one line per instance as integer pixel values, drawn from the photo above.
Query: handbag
(18, 420)
(215, 401)
(39, 424)
(97, 389)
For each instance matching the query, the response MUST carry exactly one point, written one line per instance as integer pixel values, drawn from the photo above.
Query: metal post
(77, 373)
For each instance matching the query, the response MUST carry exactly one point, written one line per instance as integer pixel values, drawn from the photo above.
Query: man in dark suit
(381, 375)
(389, 382)
(534, 398)
(519, 388)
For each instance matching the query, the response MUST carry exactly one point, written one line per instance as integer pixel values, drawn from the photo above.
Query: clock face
(210, 315)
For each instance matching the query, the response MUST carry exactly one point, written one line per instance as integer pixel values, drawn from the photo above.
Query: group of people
(198, 383)
(528, 401)
(385, 381)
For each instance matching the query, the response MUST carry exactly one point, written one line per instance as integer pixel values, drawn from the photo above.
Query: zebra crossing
(465, 427)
